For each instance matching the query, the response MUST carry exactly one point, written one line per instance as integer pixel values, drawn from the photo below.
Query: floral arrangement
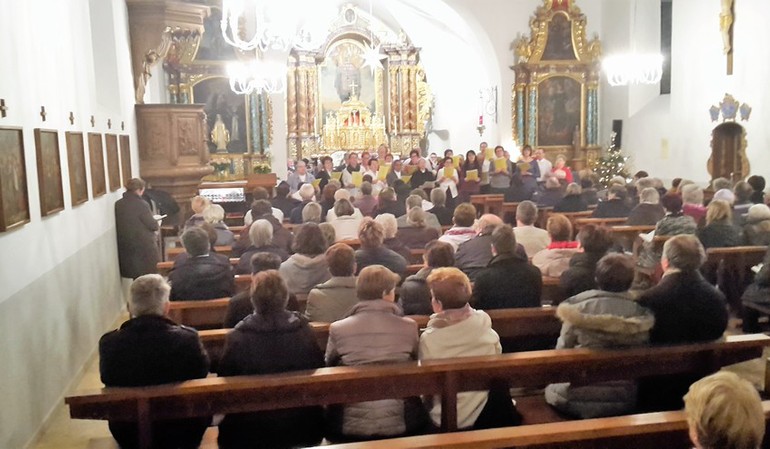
(262, 168)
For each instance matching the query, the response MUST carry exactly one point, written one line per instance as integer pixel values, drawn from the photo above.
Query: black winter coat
(271, 344)
(138, 252)
(581, 274)
(509, 281)
(611, 209)
(720, 235)
(153, 350)
(571, 203)
(415, 298)
(206, 277)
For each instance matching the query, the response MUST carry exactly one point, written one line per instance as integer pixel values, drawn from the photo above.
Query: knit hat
(757, 213)
(725, 195)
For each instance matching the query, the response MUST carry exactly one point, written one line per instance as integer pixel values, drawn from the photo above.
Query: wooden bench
(488, 203)
(552, 293)
(446, 378)
(508, 213)
(172, 253)
(164, 268)
(580, 222)
(518, 329)
(730, 268)
(210, 313)
(662, 429)
(625, 236)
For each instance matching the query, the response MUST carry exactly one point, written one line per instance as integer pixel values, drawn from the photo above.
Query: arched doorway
(728, 152)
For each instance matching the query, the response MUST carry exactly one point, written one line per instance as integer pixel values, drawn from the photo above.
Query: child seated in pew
(724, 411)
(271, 340)
(603, 318)
(457, 330)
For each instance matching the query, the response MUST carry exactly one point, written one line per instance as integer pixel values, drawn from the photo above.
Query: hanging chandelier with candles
(633, 68)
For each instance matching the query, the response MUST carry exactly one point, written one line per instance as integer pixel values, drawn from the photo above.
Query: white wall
(61, 287)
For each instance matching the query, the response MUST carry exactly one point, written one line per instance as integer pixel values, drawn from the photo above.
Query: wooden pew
(730, 268)
(210, 313)
(446, 378)
(414, 268)
(552, 293)
(542, 216)
(417, 254)
(164, 268)
(662, 429)
(574, 216)
(579, 222)
(508, 212)
(172, 253)
(625, 236)
(242, 282)
(488, 203)
(355, 243)
(517, 328)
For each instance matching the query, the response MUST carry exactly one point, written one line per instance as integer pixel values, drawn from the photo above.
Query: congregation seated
(606, 317)
(554, 259)
(589, 193)
(757, 184)
(523, 188)
(475, 254)
(413, 201)
(758, 292)
(306, 194)
(307, 267)
(724, 411)
(675, 221)
(239, 306)
(594, 241)
(366, 203)
(215, 216)
(756, 231)
(327, 198)
(531, 238)
(182, 257)
(414, 297)
(149, 349)
(373, 251)
(311, 213)
(443, 214)
(649, 211)
(342, 194)
(331, 300)
(330, 235)
(387, 203)
(198, 204)
(416, 233)
(573, 200)
(687, 309)
(282, 201)
(463, 218)
(509, 281)
(374, 332)
(261, 236)
(692, 199)
(345, 222)
(268, 341)
(203, 275)
(719, 231)
(457, 330)
(260, 193)
(742, 203)
(262, 210)
(615, 206)
(551, 195)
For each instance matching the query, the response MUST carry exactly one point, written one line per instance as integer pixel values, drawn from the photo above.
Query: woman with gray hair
(390, 226)
(692, 199)
(311, 213)
(573, 200)
(215, 215)
(261, 236)
(416, 234)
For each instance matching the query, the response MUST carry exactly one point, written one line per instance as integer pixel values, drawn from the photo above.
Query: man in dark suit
(615, 206)
(204, 274)
(135, 227)
(687, 310)
(150, 349)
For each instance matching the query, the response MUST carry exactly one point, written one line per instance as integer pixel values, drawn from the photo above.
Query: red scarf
(563, 245)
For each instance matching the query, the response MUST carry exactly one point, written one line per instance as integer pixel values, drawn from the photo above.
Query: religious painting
(342, 74)
(113, 166)
(225, 115)
(559, 46)
(49, 177)
(14, 202)
(558, 110)
(125, 158)
(76, 162)
(212, 45)
(96, 156)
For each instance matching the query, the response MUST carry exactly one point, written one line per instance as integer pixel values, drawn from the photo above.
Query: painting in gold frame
(96, 161)
(113, 165)
(76, 163)
(125, 158)
(49, 178)
(14, 199)
(559, 105)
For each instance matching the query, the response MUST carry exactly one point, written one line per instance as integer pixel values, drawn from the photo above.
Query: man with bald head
(475, 254)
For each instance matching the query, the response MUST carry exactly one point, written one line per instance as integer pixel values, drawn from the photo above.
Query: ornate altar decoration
(555, 101)
(728, 140)
(325, 86)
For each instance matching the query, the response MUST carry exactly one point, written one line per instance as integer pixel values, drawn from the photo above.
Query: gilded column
(394, 103)
(291, 108)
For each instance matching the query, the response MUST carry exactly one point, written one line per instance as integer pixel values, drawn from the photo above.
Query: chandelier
(257, 76)
(633, 68)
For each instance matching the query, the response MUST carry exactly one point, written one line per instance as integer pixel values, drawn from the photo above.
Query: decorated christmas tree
(614, 163)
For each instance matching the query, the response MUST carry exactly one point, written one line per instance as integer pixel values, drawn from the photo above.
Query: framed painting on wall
(14, 199)
(113, 165)
(49, 177)
(96, 156)
(125, 159)
(76, 162)
(559, 102)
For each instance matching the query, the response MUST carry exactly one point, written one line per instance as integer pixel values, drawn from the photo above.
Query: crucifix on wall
(726, 20)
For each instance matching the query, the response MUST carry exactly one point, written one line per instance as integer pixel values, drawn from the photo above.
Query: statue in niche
(220, 136)
(141, 84)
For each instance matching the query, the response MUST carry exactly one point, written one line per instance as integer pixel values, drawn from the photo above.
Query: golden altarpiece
(555, 101)
(335, 103)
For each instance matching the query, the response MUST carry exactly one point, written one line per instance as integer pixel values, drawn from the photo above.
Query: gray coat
(302, 272)
(138, 252)
(599, 319)
(332, 300)
(374, 332)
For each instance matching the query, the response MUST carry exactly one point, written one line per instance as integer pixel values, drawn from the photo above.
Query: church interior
(179, 93)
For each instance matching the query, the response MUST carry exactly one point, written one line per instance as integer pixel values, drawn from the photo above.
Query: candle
(481, 119)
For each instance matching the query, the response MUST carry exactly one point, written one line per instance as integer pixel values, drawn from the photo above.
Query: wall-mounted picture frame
(113, 165)
(76, 165)
(49, 177)
(14, 199)
(125, 158)
(96, 161)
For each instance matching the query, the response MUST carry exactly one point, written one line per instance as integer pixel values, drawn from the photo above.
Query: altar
(353, 126)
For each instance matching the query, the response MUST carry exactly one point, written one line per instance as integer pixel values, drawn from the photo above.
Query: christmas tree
(614, 163)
